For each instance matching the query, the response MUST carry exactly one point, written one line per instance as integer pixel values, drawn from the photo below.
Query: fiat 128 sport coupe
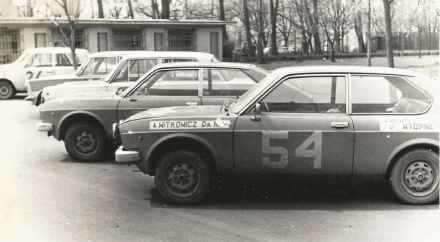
(84, 121)
(336, 121)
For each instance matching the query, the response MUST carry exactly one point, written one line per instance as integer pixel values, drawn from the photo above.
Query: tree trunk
(369, 34)
(73, 47)
(222, 18)
(100, 9)
(165, 14)
(247, 28)
(389, 33)
(260, 47)
(273, 24)
(130, 10)
(359, 32)
(332, 52)
(315, 29)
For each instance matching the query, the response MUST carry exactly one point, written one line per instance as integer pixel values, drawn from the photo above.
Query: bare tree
(284, 26)
(72, 21)
(358, 29)
(246, 22)
(100, 9)
(223, 18)
(115, 12)
(165, 13)
(388, 31)
(260, 47)
(273, 9)
(315, 28)
(130, 13)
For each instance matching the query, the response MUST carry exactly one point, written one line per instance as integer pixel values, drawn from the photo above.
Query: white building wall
(28, 36)
(92, 38)
(204, 40)
(149, 37)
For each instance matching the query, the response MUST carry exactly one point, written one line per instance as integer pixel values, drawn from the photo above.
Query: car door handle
(191, 103)
(339, 125)
(133, 100)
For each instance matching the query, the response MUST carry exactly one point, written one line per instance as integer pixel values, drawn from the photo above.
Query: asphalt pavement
(46, 196)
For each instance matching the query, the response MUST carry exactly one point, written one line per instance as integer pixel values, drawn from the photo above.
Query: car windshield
(98, 66)
(248, 96)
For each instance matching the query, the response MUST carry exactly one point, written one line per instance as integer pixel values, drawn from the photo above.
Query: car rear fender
(190, 141)
(76, 116)
(407, 146)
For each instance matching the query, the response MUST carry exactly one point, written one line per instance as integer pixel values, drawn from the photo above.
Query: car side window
(314, 94)
(225, 82)
(100, 66)
(386, 94)
(63, 60)
(171, 83)
(170, 60)
(40, 60)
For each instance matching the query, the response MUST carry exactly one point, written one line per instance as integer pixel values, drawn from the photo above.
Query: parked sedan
(95, 67)
(84, 121)
(328, 121)
(125, 72)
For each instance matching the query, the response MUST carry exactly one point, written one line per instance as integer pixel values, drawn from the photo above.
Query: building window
(59, 41)
(102, 41)
(127, 39)
(214, 43)
(158, 41)
(9, 45)
(182, 39)
(40, 40)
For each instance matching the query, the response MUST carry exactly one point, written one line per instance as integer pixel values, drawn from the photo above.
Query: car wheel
(182, 177)
(414, 178)
(7, 90)
(85, 141)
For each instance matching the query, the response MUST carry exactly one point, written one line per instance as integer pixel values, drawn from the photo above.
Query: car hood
(83, 101)
(181, 111)
(81, 83)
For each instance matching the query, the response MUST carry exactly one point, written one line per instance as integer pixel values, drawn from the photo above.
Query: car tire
(85, 141)
(7, 90)
(414, 177)
(182, 177)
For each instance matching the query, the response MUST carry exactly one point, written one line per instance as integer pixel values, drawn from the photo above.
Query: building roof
(28, 21)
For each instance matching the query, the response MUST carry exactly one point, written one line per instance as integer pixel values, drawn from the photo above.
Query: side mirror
(120, 90)
(257, 111)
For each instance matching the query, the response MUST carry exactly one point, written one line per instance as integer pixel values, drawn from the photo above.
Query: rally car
(36, 63)
(336, 121)
(84, 121)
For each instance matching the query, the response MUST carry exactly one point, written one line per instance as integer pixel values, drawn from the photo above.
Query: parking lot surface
(46, 196)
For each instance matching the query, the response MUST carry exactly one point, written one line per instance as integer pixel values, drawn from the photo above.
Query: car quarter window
(133, 69)
(100, 65)
(171, 83)
(40, 60)
(225, 82)
(386, 94)
(311, 94)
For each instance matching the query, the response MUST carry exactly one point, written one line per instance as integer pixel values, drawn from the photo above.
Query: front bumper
(44, 127)
(127, 156)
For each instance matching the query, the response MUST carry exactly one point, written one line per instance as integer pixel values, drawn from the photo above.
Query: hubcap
(86, 142)
(182, 179)
(419, 178)
(4, 90)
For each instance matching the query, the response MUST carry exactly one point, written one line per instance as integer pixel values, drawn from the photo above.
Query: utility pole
(369, 34)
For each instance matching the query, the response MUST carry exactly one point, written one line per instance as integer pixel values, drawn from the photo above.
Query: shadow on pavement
(284, 195)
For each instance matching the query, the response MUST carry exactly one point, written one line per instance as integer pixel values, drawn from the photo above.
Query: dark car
(84, 121)
(326, 121)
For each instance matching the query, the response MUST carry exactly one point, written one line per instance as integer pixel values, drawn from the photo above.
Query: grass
(428, 64)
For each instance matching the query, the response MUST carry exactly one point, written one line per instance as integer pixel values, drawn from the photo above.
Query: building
(95, 35)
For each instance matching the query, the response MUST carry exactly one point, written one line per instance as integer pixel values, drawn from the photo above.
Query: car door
(164, 88)
(221, 84)
(63, 64)
(38, 65)
(303, 128)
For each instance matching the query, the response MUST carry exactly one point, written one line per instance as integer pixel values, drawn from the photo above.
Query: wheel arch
(189, 142)
(408, 146)
(77, 116)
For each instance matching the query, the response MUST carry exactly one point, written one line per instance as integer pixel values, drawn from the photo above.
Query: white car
(128, 70)
(95, 67)
(35, 63)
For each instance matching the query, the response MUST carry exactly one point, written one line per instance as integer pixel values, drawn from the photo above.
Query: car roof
(110, 53)
(53, 50)
(205, 64)
(178, 54)
(294, 70)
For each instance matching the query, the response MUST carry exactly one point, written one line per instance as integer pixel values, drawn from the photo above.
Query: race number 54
(303, 150)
